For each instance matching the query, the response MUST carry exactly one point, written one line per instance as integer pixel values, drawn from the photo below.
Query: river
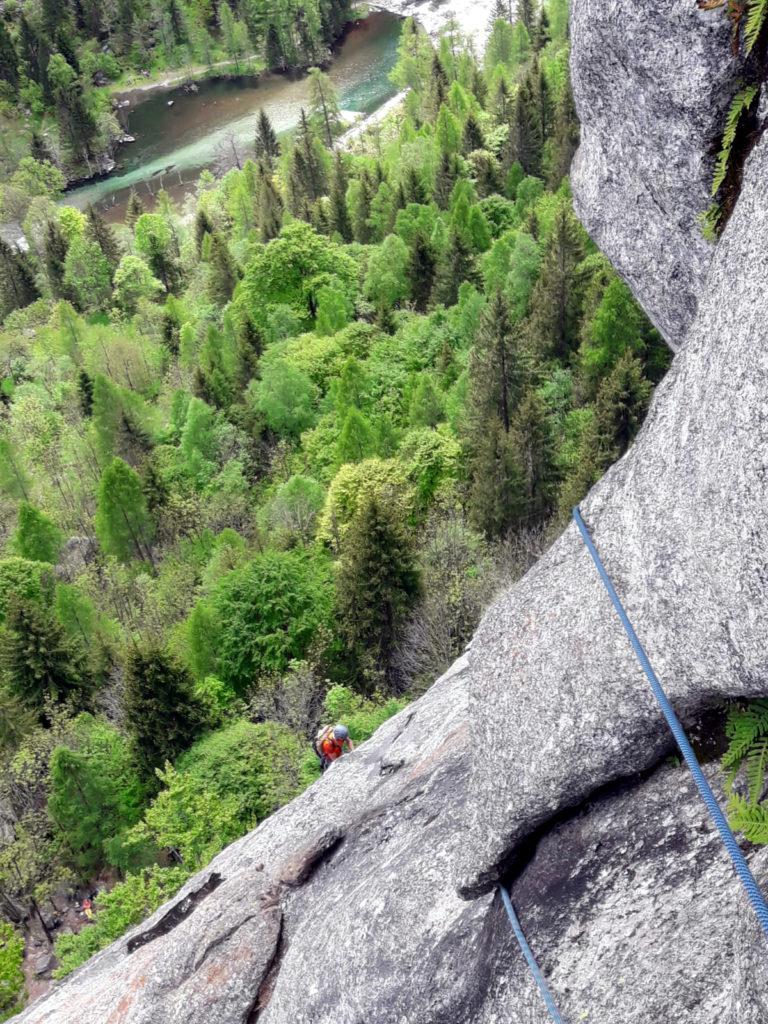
(174, 143)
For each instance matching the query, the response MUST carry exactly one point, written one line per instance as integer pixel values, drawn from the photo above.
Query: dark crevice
(269, 978)
(296, 872)
(178, 913)
(220, 939)
(706, 733)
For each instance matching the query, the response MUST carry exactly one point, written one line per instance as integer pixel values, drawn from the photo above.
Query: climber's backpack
(321, 737)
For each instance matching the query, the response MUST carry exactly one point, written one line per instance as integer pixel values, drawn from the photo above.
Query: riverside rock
(540, 757)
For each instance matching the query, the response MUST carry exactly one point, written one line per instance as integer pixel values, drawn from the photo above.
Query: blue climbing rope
(538, 977)
(751, 887)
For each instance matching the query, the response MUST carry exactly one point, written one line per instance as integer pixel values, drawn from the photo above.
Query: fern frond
(741, 102)
(757, 11)
(756, 763)
(751, 820)
(744, 727)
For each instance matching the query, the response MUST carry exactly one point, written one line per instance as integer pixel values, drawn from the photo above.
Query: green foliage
(285, 397)
(11, 973)
(269, 612)
(361, 715)
(22, 579)
(126, 905)
(161, 711)
(740, 104)
(122, 522)
(293, 510)
(37, 538)
(276, 417)
(376, 583)
(41, 663)
(95, 795)
(747, 759)
(757, 12)
(279, 273)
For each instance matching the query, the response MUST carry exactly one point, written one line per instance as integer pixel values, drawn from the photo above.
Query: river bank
(178, 133)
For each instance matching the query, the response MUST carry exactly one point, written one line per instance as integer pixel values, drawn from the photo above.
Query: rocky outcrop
(540, 758)
(652, 83)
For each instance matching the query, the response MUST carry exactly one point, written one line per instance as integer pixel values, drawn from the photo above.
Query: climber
(330, 742)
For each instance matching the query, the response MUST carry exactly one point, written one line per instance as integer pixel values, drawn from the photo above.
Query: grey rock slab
(652, 83)
(224, 960)
(559, 705)
(636, 917)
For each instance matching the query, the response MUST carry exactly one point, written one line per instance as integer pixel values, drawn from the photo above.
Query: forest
(267, 454)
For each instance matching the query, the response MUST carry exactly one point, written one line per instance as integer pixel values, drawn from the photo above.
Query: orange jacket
(331, 748)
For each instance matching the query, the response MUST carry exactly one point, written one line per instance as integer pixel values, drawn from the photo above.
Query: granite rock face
(340, 908)
(559, 704)
(540, 758)
(652, 82)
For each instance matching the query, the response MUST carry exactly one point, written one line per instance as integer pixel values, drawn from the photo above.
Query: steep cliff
(540, 757)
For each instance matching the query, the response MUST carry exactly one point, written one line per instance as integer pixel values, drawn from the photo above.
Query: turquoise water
(174, 143)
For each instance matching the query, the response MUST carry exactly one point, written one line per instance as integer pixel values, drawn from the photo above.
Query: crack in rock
(179, 912)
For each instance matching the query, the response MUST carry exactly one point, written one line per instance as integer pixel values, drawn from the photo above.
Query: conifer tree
(534, 450)
(122, 523)
(376, 584)
(456, 266)
(270, 208)
(267, 145)
(495, 500)
(356, 441)
(134, 209)
(445, 179)
(274, 50)
(41, 663)
(95, 795)
(472, 135)
(542, 35)
(425, 408)
(54, 258)
(85, 392)
(17, 281)
(38, 149)
(324, 110)
(203, 227)
(339, 213)
(223, 275)
(565, 137)
(100, 232)
(556, 298)
(37, 537)
(76, 123)
(422, 266)
(361, 195)
(162, 715)
(9, 61)
(437, 88)
(526, 13)
(119, 422)
(413, 187)
(307, 162)
(250, 345)
(526, 140)
(498, 368)
(501, 10)
(620, 409)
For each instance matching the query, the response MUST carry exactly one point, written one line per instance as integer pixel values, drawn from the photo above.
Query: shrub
(269, 611)
(128, 904)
